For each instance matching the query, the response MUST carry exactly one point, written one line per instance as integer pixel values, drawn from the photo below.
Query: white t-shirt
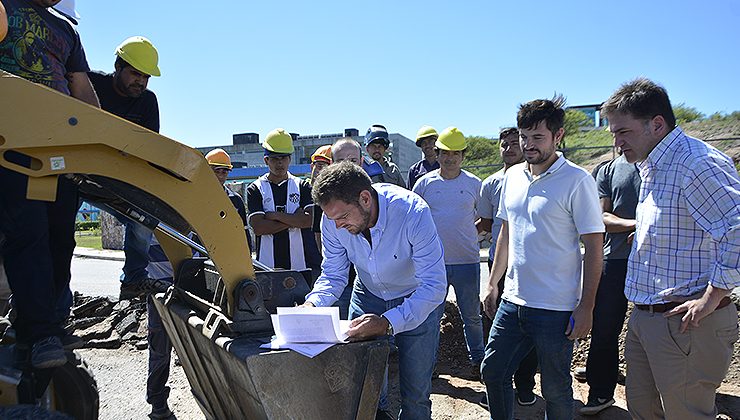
(546, 216)
(453, 203)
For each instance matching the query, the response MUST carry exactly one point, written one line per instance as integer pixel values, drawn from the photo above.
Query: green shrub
(87, 225)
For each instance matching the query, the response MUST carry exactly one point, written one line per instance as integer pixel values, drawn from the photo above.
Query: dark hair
(508, 131)
(549, 110)
(120, 62)
(641, 98)
(340, 181)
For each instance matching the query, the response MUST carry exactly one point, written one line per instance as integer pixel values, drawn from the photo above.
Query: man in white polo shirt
(548, 204)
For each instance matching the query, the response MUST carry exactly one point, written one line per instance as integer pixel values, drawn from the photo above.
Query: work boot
(72, 342)
(596, 405)
(473, 373)
(48, 353)
(525, 398)
(142, 287)
(161, 412)
(484, 401)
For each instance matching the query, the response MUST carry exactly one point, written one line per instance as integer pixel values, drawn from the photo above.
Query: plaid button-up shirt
(688, 223)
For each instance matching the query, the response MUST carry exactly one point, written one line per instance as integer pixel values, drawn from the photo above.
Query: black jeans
(38, 248)
(602, 366)
(524, 375)
(160, 349)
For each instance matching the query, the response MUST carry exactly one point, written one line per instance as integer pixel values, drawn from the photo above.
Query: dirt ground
(121, 377)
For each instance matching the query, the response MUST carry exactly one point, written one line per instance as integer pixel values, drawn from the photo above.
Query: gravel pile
(105, 323)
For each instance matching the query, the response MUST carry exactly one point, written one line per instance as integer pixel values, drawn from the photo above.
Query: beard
(538, 158)
(364, 225)
(131, 90)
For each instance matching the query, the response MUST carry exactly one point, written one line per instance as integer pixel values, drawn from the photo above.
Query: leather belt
(665, 307)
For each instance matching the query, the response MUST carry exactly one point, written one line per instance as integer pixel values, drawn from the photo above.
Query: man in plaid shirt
(685, 259)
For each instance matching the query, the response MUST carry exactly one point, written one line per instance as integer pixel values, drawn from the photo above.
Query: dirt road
(121, 376)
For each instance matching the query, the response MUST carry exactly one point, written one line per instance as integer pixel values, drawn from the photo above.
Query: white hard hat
(68, 8)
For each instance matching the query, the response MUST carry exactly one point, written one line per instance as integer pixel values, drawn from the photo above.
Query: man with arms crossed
(388, 233)
(547, 205)
(685, 259)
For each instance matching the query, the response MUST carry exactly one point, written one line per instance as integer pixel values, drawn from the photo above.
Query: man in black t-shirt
(41, 46)
(124, 94)
(279, 207)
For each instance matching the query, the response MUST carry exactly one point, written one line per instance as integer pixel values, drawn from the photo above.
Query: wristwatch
(388, 331)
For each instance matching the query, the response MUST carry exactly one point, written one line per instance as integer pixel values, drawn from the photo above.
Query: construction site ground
(121, 377)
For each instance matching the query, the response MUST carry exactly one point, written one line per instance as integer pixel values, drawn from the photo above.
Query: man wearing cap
(376, 144)
(452, 194)
(280, 210)
(124, 93)
(425, 139)
(548, 205)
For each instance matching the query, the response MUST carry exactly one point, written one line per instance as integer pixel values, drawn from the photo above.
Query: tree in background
(482, 157)
(685, 114)
(574, 121)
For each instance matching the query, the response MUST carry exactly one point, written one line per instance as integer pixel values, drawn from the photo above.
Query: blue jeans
(465, 279)
(135, 245)
(516, 330)
(344, 302)
(602, 365)
(136, 250)
(160, 349)
(524, 376)
(417, 353)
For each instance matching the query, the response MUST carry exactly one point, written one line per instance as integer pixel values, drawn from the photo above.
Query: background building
(247, 154)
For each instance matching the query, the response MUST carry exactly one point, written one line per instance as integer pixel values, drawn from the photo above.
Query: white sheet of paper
(309, 325)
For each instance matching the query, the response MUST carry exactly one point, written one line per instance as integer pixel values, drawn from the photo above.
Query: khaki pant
(671, 375)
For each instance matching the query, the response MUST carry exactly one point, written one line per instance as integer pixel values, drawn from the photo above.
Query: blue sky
(320, 67)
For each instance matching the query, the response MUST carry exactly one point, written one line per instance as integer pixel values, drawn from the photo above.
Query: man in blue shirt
(388, 233)
(425, 139)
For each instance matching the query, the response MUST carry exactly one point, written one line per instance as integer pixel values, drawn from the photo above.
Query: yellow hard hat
(219, 157)
(451, 139)
(323, 153)
(141, 54)
(424, 132)
(278, 142)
